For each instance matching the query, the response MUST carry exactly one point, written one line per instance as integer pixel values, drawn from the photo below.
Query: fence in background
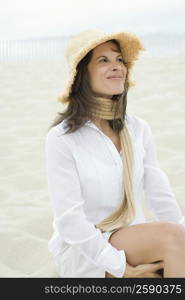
(52, 47)
(22, 50)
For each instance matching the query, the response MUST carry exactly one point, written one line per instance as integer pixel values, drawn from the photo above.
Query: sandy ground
(28, 93)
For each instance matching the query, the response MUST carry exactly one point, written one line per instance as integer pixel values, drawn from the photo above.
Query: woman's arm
(68, 208)
(157, 188)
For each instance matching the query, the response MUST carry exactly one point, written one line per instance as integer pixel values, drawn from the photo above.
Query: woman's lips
(115, 78)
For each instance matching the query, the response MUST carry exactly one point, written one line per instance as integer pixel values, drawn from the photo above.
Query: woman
(99, 160)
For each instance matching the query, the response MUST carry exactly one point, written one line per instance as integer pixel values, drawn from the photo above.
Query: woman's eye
(104, 59)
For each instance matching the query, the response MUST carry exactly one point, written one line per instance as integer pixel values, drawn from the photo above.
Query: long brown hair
(82, 100)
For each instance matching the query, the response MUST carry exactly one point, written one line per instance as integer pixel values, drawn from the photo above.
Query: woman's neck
(107, 110)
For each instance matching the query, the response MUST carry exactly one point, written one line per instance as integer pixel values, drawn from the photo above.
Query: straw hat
(79, 45)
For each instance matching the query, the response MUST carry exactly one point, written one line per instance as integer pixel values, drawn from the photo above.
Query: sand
(28, 105)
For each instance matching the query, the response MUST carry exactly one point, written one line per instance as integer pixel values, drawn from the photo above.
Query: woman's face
(106, 70)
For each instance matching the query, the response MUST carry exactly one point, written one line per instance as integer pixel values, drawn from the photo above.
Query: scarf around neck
(109, 110)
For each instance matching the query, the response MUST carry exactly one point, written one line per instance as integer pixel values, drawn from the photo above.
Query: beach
(29, 92)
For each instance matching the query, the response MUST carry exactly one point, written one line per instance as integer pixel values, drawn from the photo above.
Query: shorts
(73, 264)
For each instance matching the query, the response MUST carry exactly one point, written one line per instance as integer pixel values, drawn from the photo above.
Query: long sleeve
(158, 192)
(68, 207)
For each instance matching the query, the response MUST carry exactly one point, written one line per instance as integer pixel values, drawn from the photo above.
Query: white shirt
(85, 174)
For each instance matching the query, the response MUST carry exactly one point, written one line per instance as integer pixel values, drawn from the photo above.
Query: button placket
(112, 148)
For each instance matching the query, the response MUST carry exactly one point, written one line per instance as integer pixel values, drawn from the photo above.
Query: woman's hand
(144, 270)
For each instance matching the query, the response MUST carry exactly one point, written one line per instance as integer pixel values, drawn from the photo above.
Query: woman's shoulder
(59, 129)
(56, 134)
(56, 141)
(135, 122)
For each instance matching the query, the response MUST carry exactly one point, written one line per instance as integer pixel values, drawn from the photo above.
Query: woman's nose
(119, 67)
(116, 66)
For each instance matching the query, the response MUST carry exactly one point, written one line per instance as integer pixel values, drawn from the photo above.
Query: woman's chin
(116, 92)
(109, 94)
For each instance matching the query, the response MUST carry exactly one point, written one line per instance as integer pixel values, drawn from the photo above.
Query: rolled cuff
(113, 260)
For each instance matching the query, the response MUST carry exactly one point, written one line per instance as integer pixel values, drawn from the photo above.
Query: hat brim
(130, 46)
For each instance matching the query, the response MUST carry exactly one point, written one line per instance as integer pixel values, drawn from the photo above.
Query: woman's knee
(173, 233)
(161, 235)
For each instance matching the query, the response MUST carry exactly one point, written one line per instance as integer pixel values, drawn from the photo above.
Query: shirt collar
(91, 124)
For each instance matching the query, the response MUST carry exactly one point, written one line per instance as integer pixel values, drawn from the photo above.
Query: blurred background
(33, 36)
(30, 29)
